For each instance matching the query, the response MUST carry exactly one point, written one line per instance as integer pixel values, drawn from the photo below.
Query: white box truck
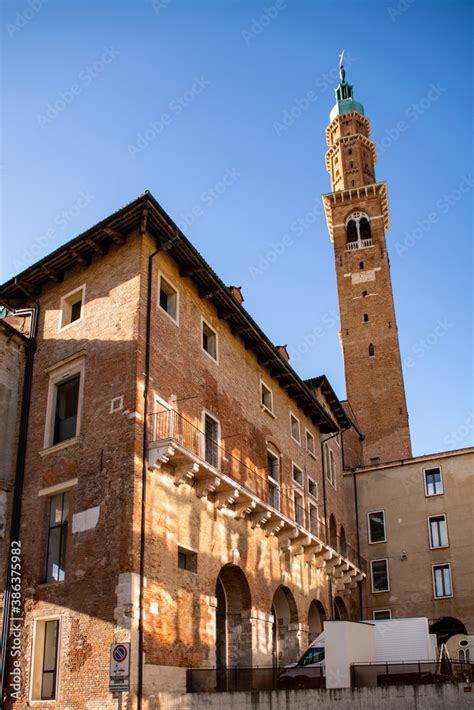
(381, 641)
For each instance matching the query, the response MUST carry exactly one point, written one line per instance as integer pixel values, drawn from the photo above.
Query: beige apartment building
(183, 489)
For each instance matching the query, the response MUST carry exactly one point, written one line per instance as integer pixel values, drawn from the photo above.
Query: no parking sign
(120, 667)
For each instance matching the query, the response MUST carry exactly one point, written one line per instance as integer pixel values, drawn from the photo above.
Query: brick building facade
(184, 489)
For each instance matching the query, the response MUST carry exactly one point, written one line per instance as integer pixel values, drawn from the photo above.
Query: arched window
(358, 227)
(364, 228)
(361, 264)
(371, 350)
(351, 231)
(364, 293)
(366, 317)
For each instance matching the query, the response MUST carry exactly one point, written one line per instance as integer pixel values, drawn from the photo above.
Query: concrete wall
(423, 697)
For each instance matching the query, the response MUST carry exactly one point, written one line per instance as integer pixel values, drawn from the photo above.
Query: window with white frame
(433, 482)
(438, 531)
(168, 298)
(299, 508)
(382, 614)
(313, 519)
(380, 576)
(442, 583)
(330, 465)
(312, 488)
(295, 428)
(44, 676)
(297, 474)
(64, 405)
(266, 396)
(273, 473)
(209, 340)
(376, 526)
(310, 443)
(72, 307)
(57, 535)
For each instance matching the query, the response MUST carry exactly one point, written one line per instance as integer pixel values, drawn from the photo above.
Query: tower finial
(342, 71)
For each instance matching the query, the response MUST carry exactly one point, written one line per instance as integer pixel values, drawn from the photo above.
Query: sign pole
(120, 695)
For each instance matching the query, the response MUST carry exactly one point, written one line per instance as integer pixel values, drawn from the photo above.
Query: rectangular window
(65, 415)
(266, 397)
(309, 443)
(313, 519)
(273, 466)
(209, 340)
(187, 560)
(312, 488)
(297, 475)
(376, 523)
(442, 581)
(273, 473)
(57, 533)
(211, 438)
(380, 579)
(72, 306)
(382, 614)
(45, 660)
(295, 428)
(433, 482)
(168, 298)
(273, 495)
(438, 531)
(299, 509)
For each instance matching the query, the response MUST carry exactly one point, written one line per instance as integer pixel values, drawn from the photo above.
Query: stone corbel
(159, 456)
(205, 486)
(273, 527)
(223, 499)
(245, 508)
(185, 474)
(259, 518)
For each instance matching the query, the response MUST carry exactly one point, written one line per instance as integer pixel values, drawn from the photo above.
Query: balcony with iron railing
(224, 477)
(359, 244)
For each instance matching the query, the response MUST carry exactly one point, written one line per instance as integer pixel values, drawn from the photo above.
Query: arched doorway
(285, 627)
(446, 627)
(233, 629)
(340, 610)
(333, 532)
(316, 618)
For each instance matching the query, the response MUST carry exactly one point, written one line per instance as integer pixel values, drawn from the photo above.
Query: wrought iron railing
(171, 425)
(230, 680)
(411, 673)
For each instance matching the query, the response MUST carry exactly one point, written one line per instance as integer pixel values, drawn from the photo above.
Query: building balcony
(221, 476)
(360, 244)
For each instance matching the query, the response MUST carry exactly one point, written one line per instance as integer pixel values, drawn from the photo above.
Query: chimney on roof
(283, 352)
(236, 291)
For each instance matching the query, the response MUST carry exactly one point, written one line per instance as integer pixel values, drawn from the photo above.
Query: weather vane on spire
(342, 71)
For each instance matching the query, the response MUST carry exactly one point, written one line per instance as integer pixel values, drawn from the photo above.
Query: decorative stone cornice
(350, 196)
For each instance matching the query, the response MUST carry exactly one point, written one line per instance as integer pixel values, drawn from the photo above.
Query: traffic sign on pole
(119, 667)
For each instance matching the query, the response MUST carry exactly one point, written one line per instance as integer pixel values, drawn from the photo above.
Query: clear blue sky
(103, 100)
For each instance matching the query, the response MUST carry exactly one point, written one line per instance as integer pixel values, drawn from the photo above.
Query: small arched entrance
(233, 628)
(285, 628)
(445, 627)
(316, 619)
(340, 610)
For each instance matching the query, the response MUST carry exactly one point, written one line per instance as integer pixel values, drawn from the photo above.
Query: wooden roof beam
(83, 259)
(209, 293)
(190, 270)
(98, 247)
(56, 276)
(115, 235)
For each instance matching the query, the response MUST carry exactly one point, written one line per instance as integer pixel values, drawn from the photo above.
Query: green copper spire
(344, 95)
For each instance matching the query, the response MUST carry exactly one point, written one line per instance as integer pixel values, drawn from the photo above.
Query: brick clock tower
(358, 218)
